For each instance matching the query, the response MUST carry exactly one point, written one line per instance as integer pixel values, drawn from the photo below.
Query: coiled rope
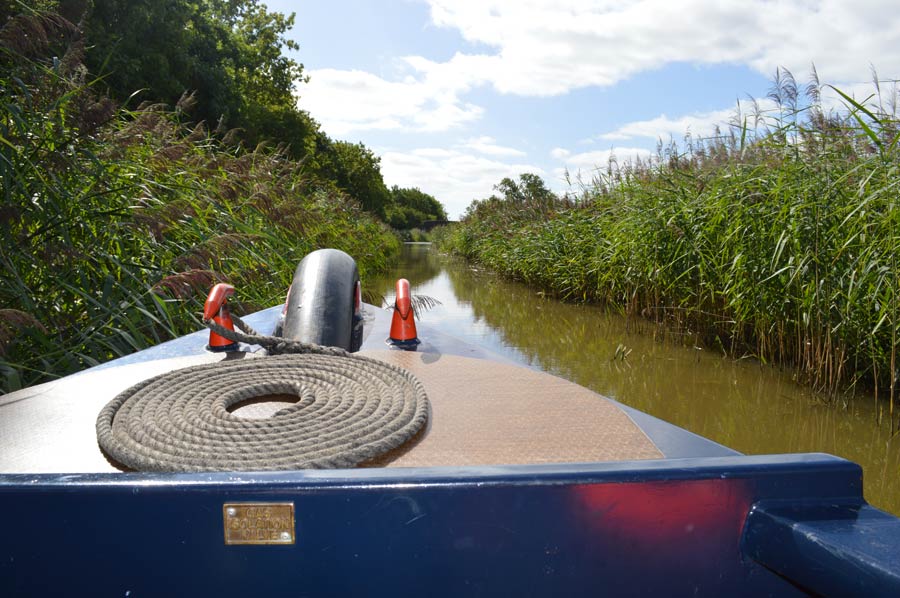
(351, 409)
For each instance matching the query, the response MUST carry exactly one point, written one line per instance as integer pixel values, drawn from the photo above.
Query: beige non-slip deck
(488, 413)
(483, 413)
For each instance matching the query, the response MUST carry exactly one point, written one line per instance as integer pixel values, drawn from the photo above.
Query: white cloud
(454, 177)
(864, 93)
(583, 166)
(701, 124)
(434, 152)
(550, 47)
(599, 159)
(553, 46)
(486, 145)
(345, 101)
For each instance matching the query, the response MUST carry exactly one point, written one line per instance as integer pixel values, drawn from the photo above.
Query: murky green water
(752, 408)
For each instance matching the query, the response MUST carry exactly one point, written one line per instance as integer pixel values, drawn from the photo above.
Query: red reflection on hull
(686, 529)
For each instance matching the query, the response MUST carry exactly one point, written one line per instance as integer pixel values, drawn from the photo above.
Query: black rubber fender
(322, 303)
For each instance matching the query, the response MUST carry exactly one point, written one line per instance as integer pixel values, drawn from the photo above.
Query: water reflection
(753, 408)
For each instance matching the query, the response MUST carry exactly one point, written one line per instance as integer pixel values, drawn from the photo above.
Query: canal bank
(752, 408)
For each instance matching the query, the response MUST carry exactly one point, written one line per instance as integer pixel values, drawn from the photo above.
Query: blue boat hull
(668, 527)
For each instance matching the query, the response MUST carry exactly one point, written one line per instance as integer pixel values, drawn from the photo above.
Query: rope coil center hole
(262, 407)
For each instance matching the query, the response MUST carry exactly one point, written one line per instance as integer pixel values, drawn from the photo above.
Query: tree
(228, 51)
(529, 190)
(525, 199)
(137, 46)
(410, 208)
(356, 170)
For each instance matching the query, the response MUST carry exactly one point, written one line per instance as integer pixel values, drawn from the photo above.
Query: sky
(454, 95)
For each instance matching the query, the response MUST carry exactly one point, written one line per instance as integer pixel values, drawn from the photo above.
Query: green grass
(777, 242)
(116, 222)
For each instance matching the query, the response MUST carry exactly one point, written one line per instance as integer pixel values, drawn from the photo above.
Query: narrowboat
(471, 476)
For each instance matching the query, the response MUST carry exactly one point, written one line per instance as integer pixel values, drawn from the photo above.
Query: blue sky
(454, 95)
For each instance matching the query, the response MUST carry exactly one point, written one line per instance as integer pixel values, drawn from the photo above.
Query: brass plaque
(259, 522)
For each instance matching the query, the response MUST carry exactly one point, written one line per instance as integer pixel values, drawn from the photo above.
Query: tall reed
(776, 241)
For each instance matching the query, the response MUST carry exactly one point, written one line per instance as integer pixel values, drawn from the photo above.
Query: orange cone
(403, 324)
(216, 309)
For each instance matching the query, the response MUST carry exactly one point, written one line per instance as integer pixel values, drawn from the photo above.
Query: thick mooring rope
(351, 409)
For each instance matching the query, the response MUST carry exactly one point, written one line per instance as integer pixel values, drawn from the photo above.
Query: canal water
(753, 408)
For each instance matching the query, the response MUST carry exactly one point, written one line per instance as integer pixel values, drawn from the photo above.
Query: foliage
(356, 170)
(442, 236)
(227, 51)
(777, 242)
(228, 57)
(115, 223)
(411, 208)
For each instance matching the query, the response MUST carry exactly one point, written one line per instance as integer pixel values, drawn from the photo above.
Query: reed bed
(776, 239)
(115, 222)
